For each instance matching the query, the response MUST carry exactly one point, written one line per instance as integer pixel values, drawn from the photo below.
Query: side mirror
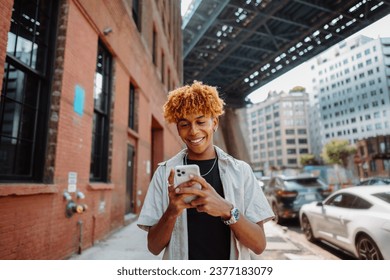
(320, 203)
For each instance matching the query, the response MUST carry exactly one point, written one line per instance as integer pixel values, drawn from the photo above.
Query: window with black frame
(101, 116)
(25, 90)
(136, 13)
(132, 108)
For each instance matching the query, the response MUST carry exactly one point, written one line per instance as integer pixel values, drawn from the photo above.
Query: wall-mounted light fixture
(107, 31)
(67, 196)
(80, 195)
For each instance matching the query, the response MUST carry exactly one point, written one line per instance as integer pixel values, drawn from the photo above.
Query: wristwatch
(234, 217)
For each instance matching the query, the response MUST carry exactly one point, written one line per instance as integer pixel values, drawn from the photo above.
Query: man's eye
(183, 124)
(201, 123)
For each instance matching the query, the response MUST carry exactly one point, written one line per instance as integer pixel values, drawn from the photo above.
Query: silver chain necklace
(212, 167)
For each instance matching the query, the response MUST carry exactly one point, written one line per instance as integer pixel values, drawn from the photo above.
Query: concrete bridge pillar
(231, 134)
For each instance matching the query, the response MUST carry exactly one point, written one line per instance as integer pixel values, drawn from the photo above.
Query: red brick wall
(5, 13)
(32, 216)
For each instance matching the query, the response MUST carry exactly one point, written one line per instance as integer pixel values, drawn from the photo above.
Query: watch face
(235, 214)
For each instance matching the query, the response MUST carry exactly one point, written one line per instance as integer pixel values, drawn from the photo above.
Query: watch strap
(234, 216)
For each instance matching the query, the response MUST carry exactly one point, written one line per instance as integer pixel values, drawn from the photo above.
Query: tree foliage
(297, 89)
(337, 151)
(308, 159)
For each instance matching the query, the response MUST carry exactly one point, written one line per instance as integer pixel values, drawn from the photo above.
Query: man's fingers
(170, 181)
(190, 188)
(200, 180)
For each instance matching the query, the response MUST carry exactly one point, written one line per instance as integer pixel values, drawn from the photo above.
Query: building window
(373, 165)
(386, 164)
(290, 141)
(290, 131)
(132, 108)
(302, 141)
(25, 91)
(291, 151)
(291, 161)
(154, 54)
(163, 67)
(101, 116)
(169, 80)
(301, 131)
(136, 13)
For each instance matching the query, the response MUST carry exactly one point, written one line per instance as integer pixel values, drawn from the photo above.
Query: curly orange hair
(193, 99)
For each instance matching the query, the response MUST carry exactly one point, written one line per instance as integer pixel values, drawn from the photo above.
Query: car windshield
(303, 182)
(382, 182)
(385, 196)
(375, 181)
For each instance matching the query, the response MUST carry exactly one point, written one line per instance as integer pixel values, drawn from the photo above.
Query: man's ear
(215, 123)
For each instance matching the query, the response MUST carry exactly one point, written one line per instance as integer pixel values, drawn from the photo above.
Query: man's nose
(194, 129)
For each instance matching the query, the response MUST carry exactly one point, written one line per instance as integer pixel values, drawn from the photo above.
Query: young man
(226, 219)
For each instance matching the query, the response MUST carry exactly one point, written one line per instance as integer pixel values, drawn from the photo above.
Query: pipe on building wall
(80, 224)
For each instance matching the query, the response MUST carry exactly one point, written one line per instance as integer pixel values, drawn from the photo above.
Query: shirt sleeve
(153, 207)
(257, 208)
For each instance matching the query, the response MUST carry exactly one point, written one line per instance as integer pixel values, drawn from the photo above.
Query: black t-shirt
(208, 236)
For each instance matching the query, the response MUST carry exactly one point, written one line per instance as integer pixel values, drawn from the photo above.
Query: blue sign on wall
(79, 97)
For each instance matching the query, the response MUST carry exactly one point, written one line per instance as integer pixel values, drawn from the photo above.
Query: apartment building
(351, 93)
(278, 130)
(81, 125)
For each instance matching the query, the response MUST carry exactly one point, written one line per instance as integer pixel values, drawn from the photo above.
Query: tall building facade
(81, 126)
(278, 130)
(351, 95)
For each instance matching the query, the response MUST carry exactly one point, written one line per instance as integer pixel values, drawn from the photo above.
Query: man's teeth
(197, 140)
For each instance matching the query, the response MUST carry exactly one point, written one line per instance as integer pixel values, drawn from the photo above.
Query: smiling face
(195, 110)
(197, 131)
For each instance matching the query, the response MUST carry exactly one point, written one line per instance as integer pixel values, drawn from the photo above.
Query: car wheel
(367, 249)
(307, 230)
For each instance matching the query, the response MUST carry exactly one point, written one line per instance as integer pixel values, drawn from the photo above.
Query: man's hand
(176, 199)
(208, 201)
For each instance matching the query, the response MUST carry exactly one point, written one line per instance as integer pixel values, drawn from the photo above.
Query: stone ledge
(27, 189)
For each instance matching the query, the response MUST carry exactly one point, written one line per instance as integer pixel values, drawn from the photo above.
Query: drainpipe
(80, 224)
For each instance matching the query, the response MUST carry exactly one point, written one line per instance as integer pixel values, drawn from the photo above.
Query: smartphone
(182, 174)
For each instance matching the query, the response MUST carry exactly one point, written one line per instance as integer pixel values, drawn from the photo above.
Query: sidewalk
(129, 243)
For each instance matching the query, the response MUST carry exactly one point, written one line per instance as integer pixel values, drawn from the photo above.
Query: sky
(290, 79)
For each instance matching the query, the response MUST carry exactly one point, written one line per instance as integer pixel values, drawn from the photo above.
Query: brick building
(373, 156)
(81, 128)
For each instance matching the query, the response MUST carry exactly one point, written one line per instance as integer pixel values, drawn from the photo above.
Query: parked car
(286, 194)
(355, 219)
(375, 181)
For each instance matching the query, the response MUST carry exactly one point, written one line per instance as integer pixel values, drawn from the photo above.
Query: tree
(337, 151)
(297, 89)
(308, 159)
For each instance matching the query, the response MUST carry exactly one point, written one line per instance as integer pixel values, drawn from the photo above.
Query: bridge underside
(240, 45)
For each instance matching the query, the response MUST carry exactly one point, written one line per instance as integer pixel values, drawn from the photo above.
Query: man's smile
(196, 141)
